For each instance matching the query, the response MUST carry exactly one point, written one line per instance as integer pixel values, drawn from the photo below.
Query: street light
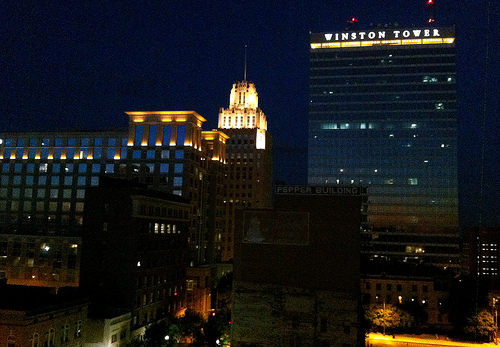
(494, 306)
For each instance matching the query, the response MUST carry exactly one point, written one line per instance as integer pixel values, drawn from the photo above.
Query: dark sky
(78, 65)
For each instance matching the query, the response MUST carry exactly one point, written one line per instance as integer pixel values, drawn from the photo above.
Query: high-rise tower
(383, 114)
(248, 156)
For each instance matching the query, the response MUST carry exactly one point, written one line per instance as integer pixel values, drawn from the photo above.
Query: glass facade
(43, 176)
(385, 117)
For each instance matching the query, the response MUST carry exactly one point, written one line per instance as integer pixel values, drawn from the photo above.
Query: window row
(151, 210)
(49, 338)
(157, 135)
(110, 153)
(40, 206)
(396, 106)
(65, 142)
(53, 181)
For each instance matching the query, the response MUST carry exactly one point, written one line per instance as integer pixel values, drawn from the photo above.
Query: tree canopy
(481, 325)
(388, 316)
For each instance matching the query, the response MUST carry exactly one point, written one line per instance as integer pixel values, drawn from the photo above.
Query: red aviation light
(430, 2)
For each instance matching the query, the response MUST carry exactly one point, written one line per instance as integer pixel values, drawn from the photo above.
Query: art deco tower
(248, 156)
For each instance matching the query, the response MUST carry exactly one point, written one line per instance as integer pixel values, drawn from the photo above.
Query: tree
(387, 316)
(481, 325)
(464, 295)
(217, 327)
(191, 326)
(417, 311)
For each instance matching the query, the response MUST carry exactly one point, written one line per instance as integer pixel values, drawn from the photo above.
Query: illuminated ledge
(165, 116)
(349, 44)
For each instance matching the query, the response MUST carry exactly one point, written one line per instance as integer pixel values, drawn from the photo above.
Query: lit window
(177, 181)
(166, 134)
(78, 328)
(179, 168)
(138, 135)
(413, 181)
(111, 153)
(429, 79)
(181, 134)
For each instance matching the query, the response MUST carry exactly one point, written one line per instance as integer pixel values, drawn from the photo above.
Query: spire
(245, 74)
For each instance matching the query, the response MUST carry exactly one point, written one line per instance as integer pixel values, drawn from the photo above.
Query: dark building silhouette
(135, 251)
(296, 270)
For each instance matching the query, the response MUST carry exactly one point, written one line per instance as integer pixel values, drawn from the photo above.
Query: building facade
(383, 115)
(407, 290)
(481, 252)
(32, 316)
(141, 239)
(296, 270)
(249, 169)
(40, 260)
(44, 177)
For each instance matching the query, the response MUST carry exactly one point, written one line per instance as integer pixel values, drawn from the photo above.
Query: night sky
(78, 65)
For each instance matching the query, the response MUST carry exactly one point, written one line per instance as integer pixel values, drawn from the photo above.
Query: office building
(481, 253)
(296, 270)
(35, 316)
(249, 169)
(408, 287)
(40, 260)
(383, 115)
(135, 254)
(44, 176)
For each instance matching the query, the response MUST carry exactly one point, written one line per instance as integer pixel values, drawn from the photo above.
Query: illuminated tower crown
(243, 111)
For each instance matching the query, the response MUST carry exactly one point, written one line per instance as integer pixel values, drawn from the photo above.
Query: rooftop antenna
(430, 11)
(245, 75)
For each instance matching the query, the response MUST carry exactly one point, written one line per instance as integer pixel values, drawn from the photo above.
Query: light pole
(384, 315)
(495, 300)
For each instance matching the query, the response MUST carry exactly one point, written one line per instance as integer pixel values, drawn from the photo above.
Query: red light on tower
(431, 7)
